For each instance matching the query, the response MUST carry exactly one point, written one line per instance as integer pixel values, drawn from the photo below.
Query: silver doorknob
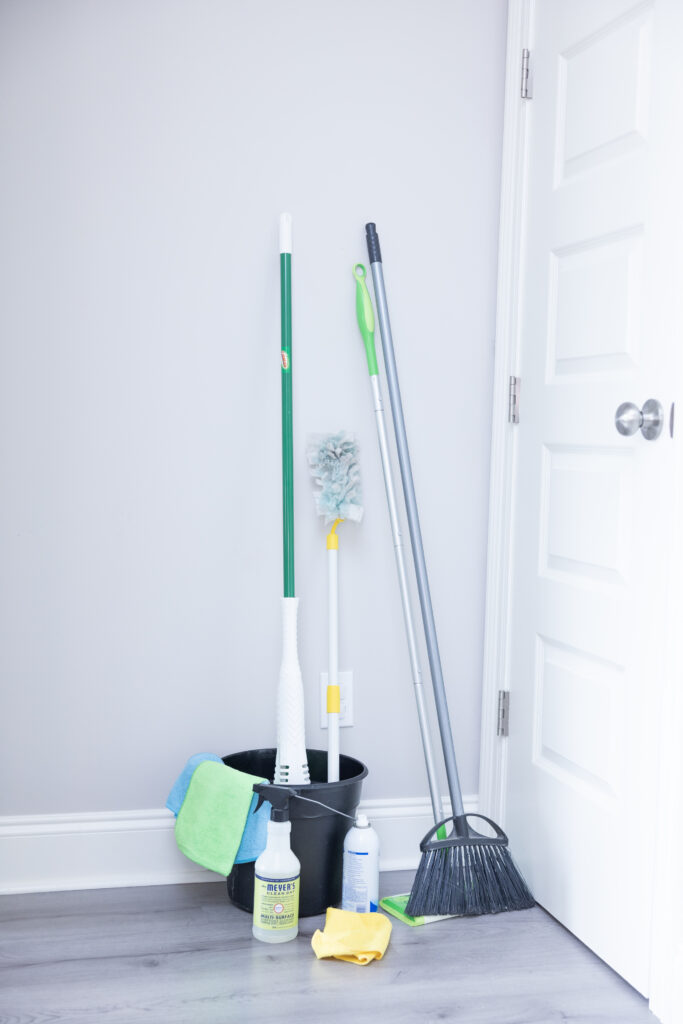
(649, 420)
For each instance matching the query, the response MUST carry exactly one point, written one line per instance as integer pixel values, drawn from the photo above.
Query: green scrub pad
(213, 815)
(396, 905)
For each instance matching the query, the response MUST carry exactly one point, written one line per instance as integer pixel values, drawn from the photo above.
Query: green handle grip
(366, 318)
(287, 421)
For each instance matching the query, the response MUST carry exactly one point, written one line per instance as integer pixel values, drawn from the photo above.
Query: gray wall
(148, 149)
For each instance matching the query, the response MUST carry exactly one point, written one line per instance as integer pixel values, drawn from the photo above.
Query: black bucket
(317, 834)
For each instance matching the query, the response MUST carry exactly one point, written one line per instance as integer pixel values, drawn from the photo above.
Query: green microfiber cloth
(211, 821)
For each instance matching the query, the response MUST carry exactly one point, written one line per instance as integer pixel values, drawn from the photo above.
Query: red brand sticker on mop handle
(285, 360)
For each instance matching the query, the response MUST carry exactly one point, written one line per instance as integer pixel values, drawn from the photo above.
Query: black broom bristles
(467, 874)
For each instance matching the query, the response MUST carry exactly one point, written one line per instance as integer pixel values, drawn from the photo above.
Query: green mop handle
(287, 424)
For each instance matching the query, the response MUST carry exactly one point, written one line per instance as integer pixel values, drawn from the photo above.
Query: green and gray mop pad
(396, 906)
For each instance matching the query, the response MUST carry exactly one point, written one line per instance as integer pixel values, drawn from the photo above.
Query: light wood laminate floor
(184, 955)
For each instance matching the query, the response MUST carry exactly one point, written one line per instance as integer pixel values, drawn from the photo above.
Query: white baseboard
(107, 849)
(401, 824)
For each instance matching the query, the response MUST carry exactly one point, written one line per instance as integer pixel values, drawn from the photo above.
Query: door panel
(592, 509)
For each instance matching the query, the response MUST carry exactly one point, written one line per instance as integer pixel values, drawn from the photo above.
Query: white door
(592, 509)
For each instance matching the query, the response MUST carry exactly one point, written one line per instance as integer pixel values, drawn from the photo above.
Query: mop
(466, 872)
(291, 760)
(366, 324)
(333, 460)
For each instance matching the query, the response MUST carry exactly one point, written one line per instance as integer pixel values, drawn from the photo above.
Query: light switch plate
(345, 699)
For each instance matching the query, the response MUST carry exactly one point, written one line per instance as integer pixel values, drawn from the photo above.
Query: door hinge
(503, 727)
(513, 399)
(525, 90)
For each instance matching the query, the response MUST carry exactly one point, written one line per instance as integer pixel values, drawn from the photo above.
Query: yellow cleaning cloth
(358, 938)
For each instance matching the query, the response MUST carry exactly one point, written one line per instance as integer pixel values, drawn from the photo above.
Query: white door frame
(666, 990)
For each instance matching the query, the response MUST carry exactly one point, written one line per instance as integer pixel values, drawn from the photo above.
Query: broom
(467, 872)
(366, 324)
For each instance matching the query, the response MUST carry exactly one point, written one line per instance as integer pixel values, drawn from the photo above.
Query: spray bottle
(276, 873)
(360, 881)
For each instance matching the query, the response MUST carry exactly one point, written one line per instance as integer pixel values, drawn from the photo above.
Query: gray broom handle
(375, 258)
(405, 601)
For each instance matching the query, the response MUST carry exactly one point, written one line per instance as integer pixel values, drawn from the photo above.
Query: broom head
(467, 873)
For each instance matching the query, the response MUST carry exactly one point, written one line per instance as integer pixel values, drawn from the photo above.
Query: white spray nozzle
(362, 821)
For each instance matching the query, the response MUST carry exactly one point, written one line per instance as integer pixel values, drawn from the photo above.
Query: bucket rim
(309, 750)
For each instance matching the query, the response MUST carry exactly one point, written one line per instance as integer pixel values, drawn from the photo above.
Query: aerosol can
(360, 881)
(276, 873)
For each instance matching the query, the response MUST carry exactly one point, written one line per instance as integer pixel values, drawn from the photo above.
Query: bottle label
(355, 888)
(276, 902)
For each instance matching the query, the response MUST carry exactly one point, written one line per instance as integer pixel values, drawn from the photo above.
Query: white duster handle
(333, 668)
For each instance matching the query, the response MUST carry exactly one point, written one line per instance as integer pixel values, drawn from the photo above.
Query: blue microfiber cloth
(177, 794)
(255, 832)
(213, 815)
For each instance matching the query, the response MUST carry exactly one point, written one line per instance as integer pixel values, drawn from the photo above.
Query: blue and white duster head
(333, 460)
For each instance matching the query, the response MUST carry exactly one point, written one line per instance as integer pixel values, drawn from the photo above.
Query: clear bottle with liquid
(276, 876)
